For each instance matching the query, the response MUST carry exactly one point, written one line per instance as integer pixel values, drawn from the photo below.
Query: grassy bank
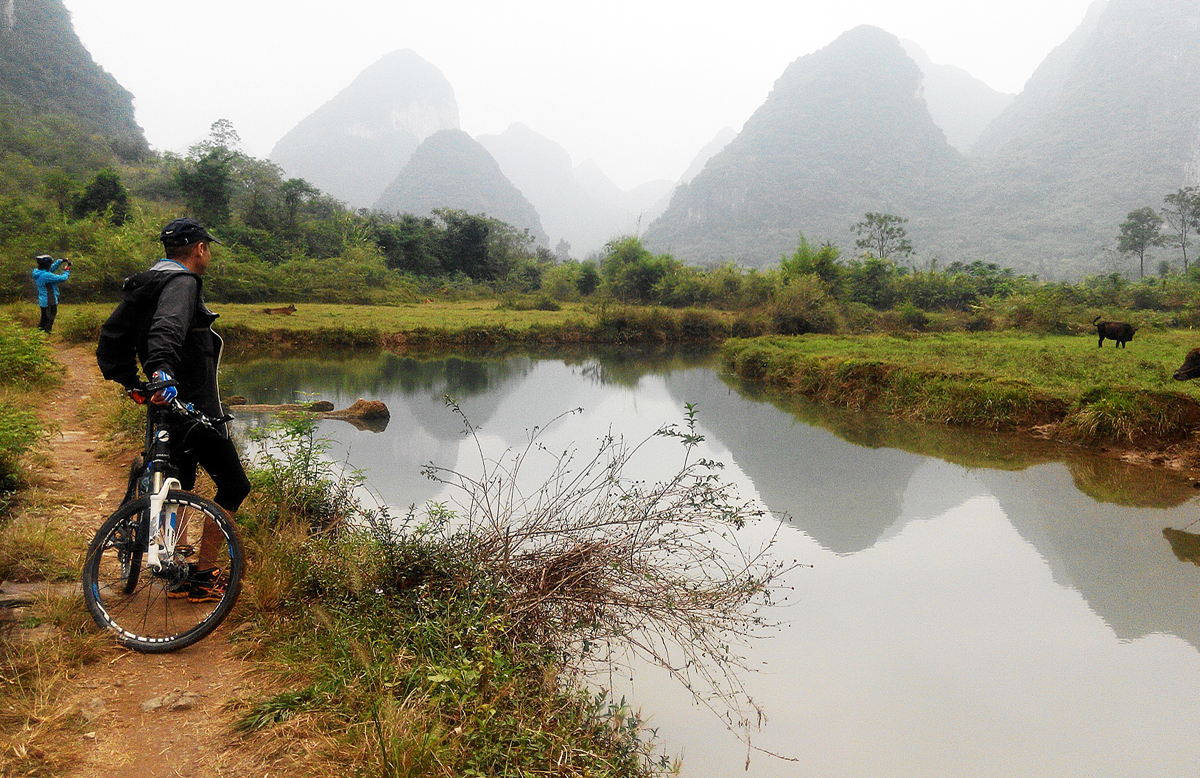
(450, 644)
(488, 324)
(434, 644)
(1006, 380)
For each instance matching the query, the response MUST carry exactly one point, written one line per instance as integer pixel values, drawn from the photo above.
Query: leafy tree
(631, 272)
(511, 253)
(221, 134)
(883, 235)
(589, 278)
(103, 192)
(1182, 213)
(1141, 230)
(206, 184)
(409, 243)
(206, 178)
(296, 192)
(823, 262)
(60, 189)
(255, 186)
(871, 281)
(464, 243)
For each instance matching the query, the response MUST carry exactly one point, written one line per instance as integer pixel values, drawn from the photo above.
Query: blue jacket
(47, 282)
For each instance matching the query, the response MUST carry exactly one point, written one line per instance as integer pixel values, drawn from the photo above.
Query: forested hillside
(1118, 134)
(44, 69)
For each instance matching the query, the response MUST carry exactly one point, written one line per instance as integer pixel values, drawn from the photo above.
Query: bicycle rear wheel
(150, 610)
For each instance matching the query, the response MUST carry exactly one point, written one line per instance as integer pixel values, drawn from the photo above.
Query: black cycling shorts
(219, 458)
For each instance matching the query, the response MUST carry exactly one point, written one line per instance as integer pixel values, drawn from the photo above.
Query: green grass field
(1060, 365)
(384, 318)
(999, 380)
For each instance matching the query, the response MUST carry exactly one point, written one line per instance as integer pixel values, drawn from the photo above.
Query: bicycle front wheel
(157, 610)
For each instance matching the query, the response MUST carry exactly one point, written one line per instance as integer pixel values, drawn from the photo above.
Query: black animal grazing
(1121, 332)
(1191, 366)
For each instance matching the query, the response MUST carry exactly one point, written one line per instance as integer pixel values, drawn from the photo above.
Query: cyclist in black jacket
(175, 342)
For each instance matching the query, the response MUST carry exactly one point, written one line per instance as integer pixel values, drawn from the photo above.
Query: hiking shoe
(207, 586)
(199, 585)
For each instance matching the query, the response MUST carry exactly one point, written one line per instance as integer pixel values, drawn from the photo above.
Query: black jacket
(181, 341)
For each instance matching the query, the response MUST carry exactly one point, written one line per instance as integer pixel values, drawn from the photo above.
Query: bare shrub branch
(591, 557)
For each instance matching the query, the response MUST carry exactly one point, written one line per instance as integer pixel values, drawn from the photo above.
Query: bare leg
(210, 542)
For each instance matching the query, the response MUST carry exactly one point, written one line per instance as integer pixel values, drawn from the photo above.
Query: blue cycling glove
(167, 393)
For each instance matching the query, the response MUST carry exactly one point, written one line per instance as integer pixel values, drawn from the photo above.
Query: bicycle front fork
(164, 529)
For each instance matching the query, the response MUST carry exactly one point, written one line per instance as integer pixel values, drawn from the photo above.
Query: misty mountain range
(356, 144)
(1107, 124)
(1039, 181)
(381, 143)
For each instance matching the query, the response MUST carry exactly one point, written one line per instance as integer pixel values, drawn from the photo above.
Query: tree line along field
(285, 241)
(454, 279)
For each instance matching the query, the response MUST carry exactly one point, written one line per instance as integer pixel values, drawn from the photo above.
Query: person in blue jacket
(47, 278)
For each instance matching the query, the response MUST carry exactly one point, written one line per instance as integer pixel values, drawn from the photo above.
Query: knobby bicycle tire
(149, 610)
(131, 559)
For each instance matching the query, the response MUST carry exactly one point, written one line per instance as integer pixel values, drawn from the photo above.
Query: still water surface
(975, 605)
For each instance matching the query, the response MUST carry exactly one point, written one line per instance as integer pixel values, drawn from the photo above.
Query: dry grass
(593, 557)
(40, 724)
(38, 544)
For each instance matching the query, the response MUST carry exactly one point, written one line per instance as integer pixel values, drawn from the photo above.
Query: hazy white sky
(637, 85)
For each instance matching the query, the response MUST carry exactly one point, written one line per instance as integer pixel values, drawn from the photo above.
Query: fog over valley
(718, 139)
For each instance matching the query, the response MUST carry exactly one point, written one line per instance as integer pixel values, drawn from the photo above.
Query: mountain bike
(141, 572)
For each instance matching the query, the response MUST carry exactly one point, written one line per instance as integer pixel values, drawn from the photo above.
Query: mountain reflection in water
(978, 604)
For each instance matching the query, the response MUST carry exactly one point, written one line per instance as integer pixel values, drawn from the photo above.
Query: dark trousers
(219, 458)
(49, 312)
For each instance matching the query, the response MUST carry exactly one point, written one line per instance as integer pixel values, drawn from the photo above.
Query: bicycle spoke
(160, 610)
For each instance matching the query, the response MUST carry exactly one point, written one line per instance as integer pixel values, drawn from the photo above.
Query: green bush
(19, 430)
(24, 357)
(81, 327)
(25, 362)
(803, 305)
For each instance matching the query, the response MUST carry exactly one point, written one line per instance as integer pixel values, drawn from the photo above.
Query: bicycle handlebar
(175, 405)
(150, 387)
(190, 411)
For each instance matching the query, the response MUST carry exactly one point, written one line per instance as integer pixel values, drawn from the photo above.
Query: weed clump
(25, 364)
(449, 641)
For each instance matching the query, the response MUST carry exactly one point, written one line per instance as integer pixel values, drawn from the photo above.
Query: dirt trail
(176, 699)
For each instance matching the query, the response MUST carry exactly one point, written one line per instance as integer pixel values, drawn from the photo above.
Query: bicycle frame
(156, 478)
(139, 572)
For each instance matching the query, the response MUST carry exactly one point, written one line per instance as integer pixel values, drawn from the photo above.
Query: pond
(968, 603)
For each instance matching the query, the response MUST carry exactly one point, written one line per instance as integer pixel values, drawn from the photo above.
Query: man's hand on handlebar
(163, 386)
